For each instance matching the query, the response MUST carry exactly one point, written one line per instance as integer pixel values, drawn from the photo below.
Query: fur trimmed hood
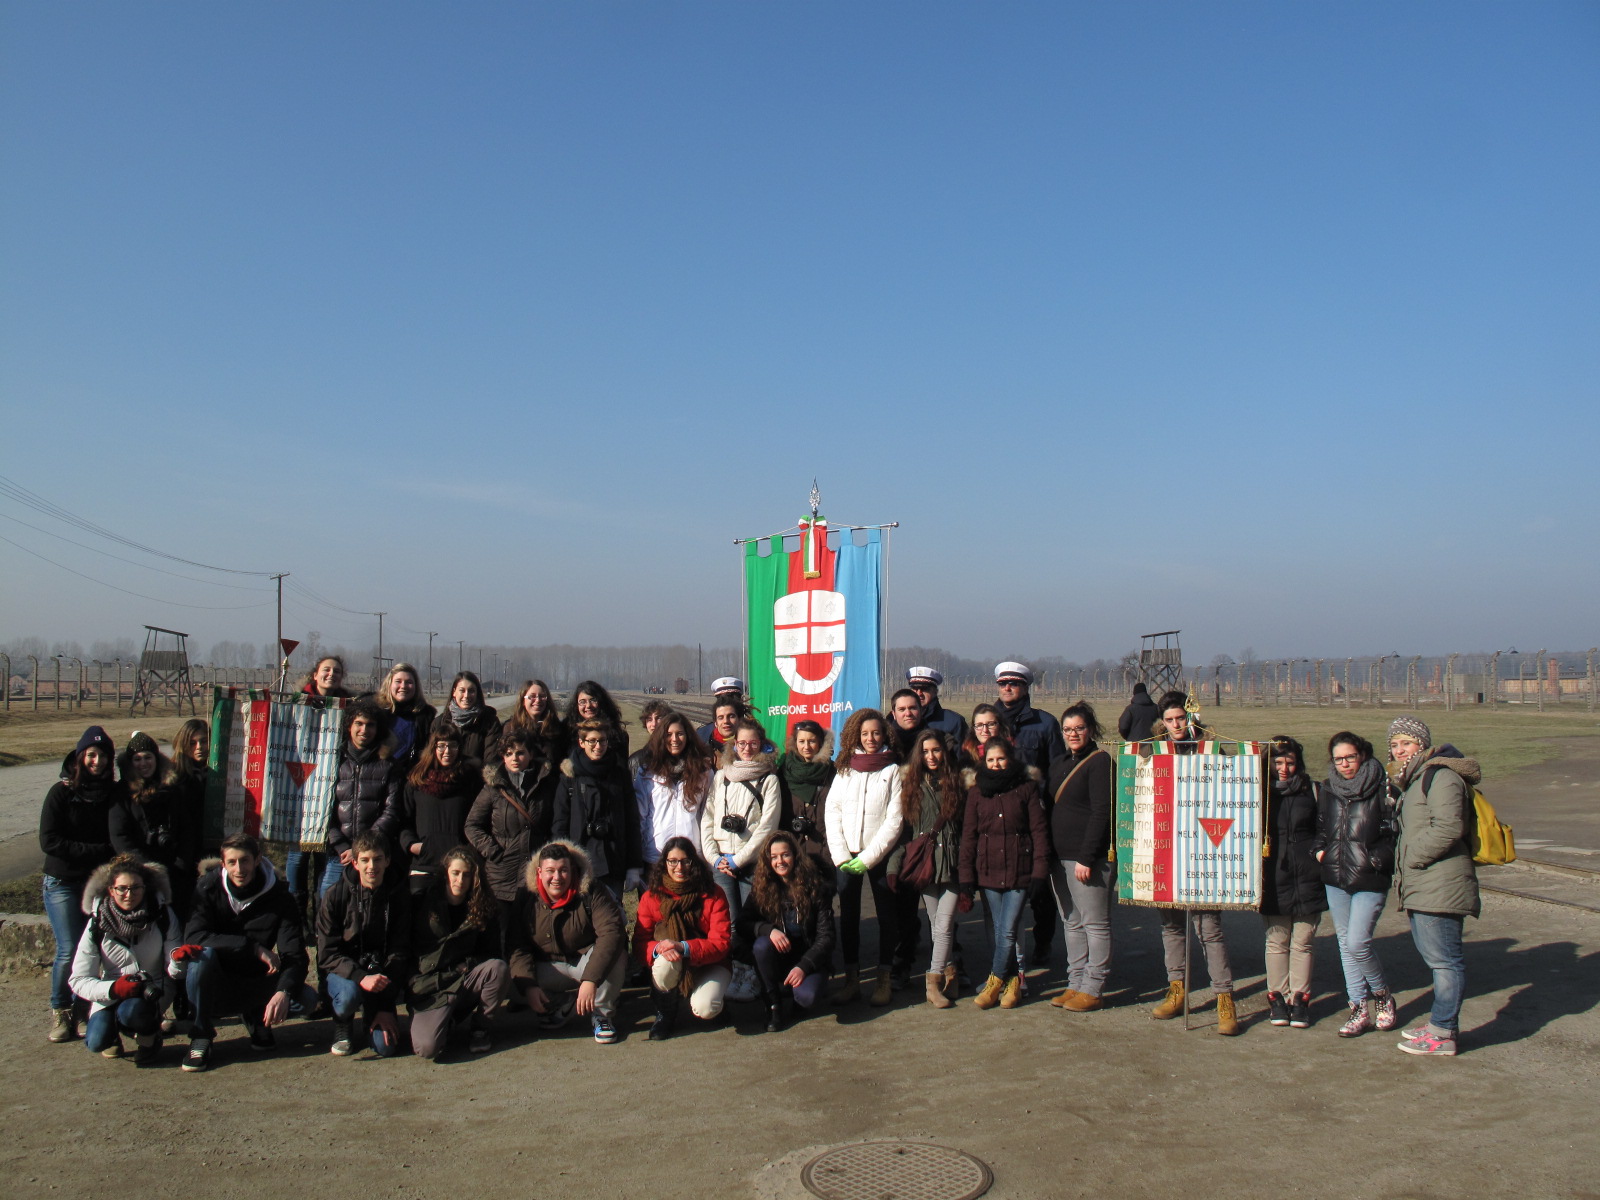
(729, 756)
(95, 890)
(494, 773)
(580, 864)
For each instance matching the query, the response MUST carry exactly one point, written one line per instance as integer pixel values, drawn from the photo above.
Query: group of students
(470, 862)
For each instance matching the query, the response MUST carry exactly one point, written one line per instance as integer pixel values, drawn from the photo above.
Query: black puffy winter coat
(1356, 835)
(269, 920)
(366, 796)
(1291, 881)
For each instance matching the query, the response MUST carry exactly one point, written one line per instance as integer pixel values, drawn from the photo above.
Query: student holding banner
(1184, 735)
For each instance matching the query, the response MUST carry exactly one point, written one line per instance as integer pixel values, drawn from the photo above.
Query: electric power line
(243, 587)
(130, 592)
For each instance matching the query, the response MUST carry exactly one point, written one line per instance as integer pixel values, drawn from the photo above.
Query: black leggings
(849, 888)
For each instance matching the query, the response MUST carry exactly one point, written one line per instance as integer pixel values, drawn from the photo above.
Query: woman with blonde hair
(410, 716)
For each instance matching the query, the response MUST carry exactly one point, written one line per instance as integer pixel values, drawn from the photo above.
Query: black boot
(666, 1015)
(778, 1011)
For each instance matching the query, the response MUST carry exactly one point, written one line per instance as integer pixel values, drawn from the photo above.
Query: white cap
(928, 673)
(728, 683)
(1016, 670)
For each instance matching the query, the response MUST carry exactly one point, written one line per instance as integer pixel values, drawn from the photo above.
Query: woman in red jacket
(682, 935)
(1005, 850)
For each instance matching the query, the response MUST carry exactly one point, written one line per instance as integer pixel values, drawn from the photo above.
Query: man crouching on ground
(363, 938)
(569, 939)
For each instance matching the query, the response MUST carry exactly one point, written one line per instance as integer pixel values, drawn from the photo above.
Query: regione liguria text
(1189, 827)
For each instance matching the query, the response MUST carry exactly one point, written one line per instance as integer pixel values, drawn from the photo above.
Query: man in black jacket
(1139, 718)
(245, 949)
(363, 942)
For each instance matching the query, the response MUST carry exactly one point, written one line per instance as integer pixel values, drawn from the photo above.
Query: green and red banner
(1190, 827)
(274, 763)
(812, 621)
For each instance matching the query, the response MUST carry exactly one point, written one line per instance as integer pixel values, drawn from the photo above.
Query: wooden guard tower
(164, 670)
(1160, 661)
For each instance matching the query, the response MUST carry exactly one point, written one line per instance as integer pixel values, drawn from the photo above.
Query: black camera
(372, 964)
(734, 823)
(598, 829)
(804, 827)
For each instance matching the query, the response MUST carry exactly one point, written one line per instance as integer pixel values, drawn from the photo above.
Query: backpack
(1488, 837)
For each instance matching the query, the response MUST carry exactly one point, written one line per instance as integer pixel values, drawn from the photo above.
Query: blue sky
(1277, 323)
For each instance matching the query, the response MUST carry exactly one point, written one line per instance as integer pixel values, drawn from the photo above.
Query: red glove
(126, 988)
(187, 953)
(964, 905)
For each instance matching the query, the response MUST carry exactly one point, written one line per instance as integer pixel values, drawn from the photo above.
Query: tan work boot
(883, 992)
(1227, 1019)
(851, 987)
(934, 981)
(990, 995)
(1011, 994)
(1063, 1000)
(1083, 1002)
(1172, 1006)
(63, 1024)
(952, 982)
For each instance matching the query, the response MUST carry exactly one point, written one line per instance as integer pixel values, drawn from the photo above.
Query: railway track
(1546, 882)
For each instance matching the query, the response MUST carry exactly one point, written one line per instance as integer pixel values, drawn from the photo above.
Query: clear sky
(1276, 323)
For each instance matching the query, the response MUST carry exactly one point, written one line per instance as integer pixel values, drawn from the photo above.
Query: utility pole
(282, 657)
(431, 635)
(700, 669)
(460, 654)
(380, 617)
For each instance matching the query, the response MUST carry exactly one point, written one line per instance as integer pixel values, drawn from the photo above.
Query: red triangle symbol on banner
(1216, 828)
(288, 645)
(300, 771)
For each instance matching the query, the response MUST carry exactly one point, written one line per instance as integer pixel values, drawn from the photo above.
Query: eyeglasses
(678, 862)
(127, 891)
(1346, 758)
(591, 742)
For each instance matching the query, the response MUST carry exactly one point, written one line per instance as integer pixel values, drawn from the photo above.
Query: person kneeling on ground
(789, 925)
(124, 965)
(245, 946)
(363, 927)
(455, 943)
(683, 936)
(569, 939)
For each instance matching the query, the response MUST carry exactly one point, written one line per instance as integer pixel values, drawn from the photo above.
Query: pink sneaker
(1429, 1043)
(1412, 1035)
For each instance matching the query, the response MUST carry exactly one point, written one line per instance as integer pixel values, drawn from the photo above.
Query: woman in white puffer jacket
(670, 786)
(743, 807)
(863, 823)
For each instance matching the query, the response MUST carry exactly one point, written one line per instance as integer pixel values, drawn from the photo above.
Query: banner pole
(1185, 912)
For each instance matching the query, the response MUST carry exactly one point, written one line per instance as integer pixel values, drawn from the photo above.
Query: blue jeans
(735, 890)
(1005, 910)
(346, 994)
(331, 874)
(1438, 939)
(1355, 916)
(62, 904)
(141, 1015)
(213, 989)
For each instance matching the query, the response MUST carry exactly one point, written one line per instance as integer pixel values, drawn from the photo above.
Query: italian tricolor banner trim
(274, 763)
(812, 626)
(1190, 827)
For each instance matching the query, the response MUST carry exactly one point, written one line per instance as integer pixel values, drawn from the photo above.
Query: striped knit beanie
(1413, 728)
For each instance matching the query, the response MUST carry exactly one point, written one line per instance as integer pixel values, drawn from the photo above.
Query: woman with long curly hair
(863, 821)
(591, 702)
(455, 944)
(683, 936)
(789, 926)
(932, 799)
(671, 785)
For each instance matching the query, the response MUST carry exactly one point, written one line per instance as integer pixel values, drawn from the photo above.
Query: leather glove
(127, 988)
(854, 866)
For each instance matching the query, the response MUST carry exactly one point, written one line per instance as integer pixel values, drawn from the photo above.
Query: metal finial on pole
(816, 499)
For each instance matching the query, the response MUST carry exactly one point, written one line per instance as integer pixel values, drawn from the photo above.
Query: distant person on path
(1293, 898)
(1355, 850)
(75, 835)
(926, 682)
(251, 956)
(1078, 799)
(1434, 877)
(474, 718)
(1183, 733)
(863, 824)
(1037, 738)
(1139, 718)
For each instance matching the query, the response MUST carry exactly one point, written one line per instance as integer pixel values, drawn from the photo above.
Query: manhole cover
(896, 1171)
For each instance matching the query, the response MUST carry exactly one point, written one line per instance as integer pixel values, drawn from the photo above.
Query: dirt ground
(1059, 1104)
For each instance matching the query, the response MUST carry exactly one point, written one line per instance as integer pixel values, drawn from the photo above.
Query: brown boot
(1227, 1019)
(952, 982)
(1064, 1000)
(1172, 1006)
(990, 995)
(1083, 1002)
(1011, 994)
(63, 1024)
(934, 981)
(851, 987)
(884, 991)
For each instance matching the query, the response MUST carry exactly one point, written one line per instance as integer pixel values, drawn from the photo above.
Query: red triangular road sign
(300, 771)
(288, 645)
(1216, 828)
